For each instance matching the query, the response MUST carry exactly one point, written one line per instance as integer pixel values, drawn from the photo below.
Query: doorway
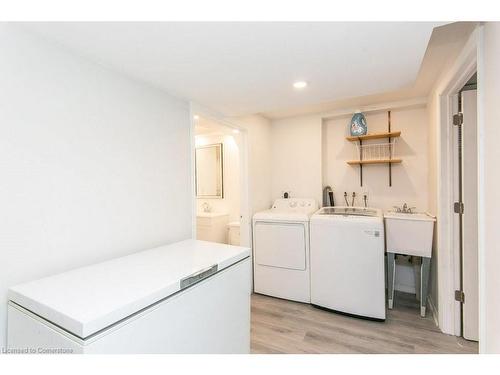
(220, 194)
(448, 260)
(465, 182)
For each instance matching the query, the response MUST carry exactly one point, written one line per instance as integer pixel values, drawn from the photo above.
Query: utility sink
(409, 233)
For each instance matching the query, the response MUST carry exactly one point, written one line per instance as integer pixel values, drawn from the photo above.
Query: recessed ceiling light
(300, 84)
(196, 117)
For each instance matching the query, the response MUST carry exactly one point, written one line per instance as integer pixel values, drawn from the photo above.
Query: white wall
(306, 155)
(489, 83)
(409, 179)
(296, 157)
(259, 147)
(93, 165)
(230, 203)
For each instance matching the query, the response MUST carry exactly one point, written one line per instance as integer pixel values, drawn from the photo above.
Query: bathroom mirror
(209, 171)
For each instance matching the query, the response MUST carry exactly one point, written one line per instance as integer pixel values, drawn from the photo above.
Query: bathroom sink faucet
(206, 207)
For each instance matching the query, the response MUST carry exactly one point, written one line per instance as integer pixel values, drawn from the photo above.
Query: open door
(470, 274)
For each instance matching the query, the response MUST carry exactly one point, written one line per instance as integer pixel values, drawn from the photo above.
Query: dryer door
(281, 245)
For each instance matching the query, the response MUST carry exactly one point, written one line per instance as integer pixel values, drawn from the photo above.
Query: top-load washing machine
(347, 261)
(281, 249)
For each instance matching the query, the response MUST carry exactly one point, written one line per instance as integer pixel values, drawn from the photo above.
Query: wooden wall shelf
(383, 161)
(370, 151)
(374, 136)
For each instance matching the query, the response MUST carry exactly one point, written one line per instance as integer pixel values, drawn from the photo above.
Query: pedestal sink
(409, 234)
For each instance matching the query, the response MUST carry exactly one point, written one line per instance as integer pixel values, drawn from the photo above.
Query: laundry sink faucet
(404, 209)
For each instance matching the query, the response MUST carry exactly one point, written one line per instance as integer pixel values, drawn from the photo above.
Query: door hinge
(458, 207)
(459, 296)
(458, 119)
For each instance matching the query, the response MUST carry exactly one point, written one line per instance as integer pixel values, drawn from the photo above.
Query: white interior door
(470, 275)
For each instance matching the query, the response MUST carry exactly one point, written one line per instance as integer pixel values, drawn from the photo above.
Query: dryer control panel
(307, 205)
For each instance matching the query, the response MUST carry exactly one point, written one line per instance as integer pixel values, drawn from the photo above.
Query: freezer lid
(88, 299)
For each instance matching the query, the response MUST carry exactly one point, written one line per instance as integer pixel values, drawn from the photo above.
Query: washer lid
(349, 211)
(88, 299)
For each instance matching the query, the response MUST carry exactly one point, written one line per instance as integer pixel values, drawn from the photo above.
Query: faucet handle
(397, 208)
(206, 207)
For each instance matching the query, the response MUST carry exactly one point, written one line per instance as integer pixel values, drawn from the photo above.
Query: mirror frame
(221, 169)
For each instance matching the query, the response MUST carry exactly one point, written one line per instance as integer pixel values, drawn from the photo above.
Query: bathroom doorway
(450, 265)
(220, 196)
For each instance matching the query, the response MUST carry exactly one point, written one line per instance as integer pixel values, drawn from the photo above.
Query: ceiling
(246, 68)
(444, 46)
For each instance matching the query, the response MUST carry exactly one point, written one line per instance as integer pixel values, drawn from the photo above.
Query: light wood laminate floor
(280, 326)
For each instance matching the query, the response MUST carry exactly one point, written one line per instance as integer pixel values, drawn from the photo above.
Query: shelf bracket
(360, 165)
(390, 150)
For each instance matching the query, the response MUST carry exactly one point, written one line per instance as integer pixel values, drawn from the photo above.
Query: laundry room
(313, 155)
(371, 167)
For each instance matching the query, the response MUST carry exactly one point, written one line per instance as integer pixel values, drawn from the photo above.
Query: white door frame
(448, 254)
(245, 227)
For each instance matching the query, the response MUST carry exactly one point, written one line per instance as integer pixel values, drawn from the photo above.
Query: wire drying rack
(376, 151)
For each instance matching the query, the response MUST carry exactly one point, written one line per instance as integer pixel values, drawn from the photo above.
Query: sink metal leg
(424, 284)
(391, 271)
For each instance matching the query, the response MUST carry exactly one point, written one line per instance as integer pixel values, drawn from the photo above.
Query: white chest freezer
(188, 297)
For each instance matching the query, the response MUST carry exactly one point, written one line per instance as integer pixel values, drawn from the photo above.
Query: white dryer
(347, 261)
(281, 249)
